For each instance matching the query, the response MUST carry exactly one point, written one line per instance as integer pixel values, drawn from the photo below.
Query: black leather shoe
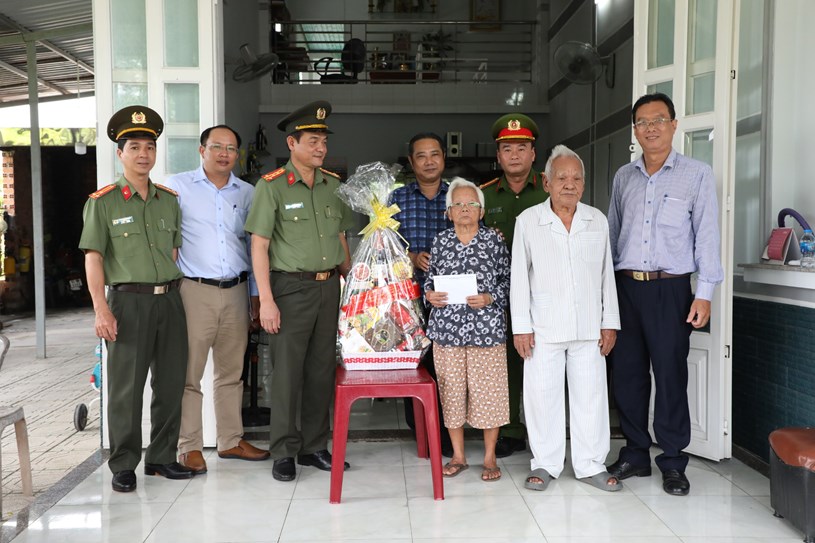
(505, 446)
(124, 481)
(283, 469)
(623, 470)
(675, 483)
(320, 460)
(173, 470)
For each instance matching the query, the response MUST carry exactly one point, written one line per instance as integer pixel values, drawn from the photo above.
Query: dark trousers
(654, 335)
(304, 363)
(152, 335)
(515, 380)
(410, 419)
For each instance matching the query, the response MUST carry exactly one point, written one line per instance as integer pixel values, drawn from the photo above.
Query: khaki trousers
(217, 319)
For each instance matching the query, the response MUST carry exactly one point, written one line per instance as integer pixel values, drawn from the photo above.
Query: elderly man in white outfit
(565, 319)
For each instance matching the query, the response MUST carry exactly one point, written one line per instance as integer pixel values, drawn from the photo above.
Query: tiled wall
(773, 370)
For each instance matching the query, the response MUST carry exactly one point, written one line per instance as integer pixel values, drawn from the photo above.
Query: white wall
(792, 115)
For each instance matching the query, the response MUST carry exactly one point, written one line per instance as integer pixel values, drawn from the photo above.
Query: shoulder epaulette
(166, 189)
(489, 183)
(332, 174)
(101, 192)
(274, 175)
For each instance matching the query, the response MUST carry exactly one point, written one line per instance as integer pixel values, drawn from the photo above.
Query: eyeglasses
(217, 148)
(659, 124)
(465, 205)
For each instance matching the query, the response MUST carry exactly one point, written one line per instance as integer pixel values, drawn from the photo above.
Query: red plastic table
(353, 385)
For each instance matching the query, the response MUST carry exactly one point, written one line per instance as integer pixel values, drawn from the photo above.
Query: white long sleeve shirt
(563, 285)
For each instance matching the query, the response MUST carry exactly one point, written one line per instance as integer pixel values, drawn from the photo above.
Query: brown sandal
(457, 468)
(486, 472)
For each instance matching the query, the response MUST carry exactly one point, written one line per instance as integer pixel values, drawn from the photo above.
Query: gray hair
(558, 152)
(461, 183)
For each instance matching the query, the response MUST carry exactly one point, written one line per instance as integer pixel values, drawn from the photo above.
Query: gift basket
(381, 321)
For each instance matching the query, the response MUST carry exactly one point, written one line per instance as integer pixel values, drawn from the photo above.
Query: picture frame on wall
(485, 15)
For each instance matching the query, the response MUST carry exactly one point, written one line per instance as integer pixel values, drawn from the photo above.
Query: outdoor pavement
(49, 390)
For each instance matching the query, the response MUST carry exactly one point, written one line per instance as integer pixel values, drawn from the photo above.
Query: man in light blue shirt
(664, 225)
(216, 290)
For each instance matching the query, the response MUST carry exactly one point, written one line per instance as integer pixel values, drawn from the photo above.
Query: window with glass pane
(181, 103)
(660, 33)
(666, 88)
(181, 33)
(128, 26)
(699, 145)
(182, 154)
(701, 56)
(129, 94)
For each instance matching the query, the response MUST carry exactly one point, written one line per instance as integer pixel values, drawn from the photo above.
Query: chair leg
(434, 440)
(421, 428)
(342, 412)
(21, 430)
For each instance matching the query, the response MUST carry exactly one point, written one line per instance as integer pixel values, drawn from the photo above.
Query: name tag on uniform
(495, 210)
(123, 220)
(298, 205)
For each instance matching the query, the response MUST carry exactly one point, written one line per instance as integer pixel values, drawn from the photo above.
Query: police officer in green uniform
(505, 198)
(299, 249)
(131, 238)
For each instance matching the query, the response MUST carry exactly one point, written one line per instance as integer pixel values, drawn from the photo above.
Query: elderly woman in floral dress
(469, 339)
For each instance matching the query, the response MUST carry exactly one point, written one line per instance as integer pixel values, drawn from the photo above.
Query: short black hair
(205, 133)
(120, 143)
(655, 97)
(427, 136)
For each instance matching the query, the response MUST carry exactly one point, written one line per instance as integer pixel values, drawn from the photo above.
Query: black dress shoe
(505, 446)
(173, 470)
(623, 470)
(675, 483)
(320, 460)
(124, 481)
(283, 469)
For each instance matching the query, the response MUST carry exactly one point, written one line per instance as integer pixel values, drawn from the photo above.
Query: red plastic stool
(353, 385)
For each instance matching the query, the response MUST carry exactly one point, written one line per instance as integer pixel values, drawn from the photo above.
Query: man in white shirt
(565, 319)
(217, 283)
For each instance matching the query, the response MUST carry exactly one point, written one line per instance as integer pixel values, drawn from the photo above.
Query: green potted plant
(435, 47)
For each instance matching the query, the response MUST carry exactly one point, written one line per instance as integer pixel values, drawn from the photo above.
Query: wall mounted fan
(580, 63)
(252, 67)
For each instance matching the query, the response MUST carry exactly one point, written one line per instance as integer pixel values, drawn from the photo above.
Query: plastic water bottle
(808, 249)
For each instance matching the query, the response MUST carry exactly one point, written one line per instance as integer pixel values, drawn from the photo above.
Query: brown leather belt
(312, 276)
(650, 276)
(220, 283)
(141, 288)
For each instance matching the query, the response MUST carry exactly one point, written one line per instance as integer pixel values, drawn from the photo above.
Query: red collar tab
(126, 192)
(291, 179)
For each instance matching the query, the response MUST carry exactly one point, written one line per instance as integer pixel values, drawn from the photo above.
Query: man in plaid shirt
(422, 216)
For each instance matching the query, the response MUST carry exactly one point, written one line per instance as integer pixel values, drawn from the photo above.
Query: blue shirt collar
(669, 162)
(200, 175)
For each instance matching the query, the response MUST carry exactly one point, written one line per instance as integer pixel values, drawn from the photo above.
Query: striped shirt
(563, 285)
(668, 221)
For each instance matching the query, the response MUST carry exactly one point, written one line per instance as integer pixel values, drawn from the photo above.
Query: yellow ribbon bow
(381, 218)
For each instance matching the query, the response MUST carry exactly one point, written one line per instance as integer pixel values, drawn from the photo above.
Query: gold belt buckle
(641, 276)
(160, 289)
(322, 276)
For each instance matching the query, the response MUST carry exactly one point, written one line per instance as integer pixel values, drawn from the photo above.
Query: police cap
(310, 117)
(135, 122)
(515, 126)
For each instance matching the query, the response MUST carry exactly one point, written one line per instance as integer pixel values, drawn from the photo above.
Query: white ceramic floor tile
(703, 481)
(565, 485)
(620, 539)
(374, 453)
(717, 516)
(380, 519)
(222, 521)
(586, 516)
(467, 483)
(482, 515)
(237, 485)
(534, 539)
(96, 489)
(122, 523)
(740, 540)
(375, 481)
(743, 476)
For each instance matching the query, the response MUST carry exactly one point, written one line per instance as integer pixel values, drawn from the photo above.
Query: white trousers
(545, 406)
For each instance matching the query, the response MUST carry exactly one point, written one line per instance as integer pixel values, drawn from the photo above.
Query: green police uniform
(303, 226)
(502, 207)
(136, 239)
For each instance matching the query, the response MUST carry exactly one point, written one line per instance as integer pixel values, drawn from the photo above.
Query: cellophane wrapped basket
(381, 324)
